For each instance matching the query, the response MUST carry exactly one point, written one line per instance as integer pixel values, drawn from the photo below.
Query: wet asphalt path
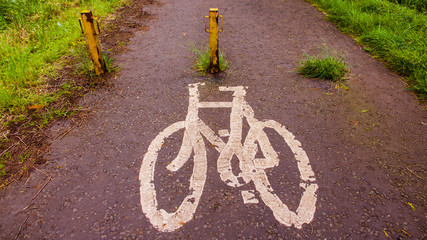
(365, 145)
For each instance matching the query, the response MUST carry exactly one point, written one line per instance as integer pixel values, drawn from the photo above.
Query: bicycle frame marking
(252, 169)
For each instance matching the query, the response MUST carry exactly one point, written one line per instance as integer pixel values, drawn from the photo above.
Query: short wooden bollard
(213, 43)
(92, 33)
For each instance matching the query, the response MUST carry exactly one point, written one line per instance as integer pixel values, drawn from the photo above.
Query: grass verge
(33, 36)
(328, 66)
(420, 5)
(44, 69)
(394, 31)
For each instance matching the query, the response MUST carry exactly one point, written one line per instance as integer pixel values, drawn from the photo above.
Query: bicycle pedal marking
(252, 168)
(249, 197)
(223, 133)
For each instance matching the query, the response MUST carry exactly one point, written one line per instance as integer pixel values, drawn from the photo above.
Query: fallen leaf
(355, 123)
(344, 87)
(385, 233)
(329, 93)
(40, 106)
(411, 205)
(316, 89)
(184, 34)
(406, 233)
(364, 111)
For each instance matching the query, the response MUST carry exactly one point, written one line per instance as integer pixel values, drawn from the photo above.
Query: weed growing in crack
(203, 58)
(328, 66)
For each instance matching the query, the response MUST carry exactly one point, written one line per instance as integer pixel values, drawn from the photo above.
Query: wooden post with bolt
(92, 39)
(213, 30)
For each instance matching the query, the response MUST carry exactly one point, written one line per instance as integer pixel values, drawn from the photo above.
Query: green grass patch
(34, 35)
(3, 160)
(420, 5)
(44, 68)
(394, 31)
(203, 58)
(328, 66)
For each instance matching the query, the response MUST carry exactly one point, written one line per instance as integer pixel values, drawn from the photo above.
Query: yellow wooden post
(213, 30)
(93, 42)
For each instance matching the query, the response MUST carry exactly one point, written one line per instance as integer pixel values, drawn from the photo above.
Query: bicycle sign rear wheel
(161, 219)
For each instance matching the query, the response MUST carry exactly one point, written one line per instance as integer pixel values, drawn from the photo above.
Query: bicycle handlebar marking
(215, 104)
(252, 168)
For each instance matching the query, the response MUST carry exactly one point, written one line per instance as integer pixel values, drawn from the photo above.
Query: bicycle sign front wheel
(307, 206)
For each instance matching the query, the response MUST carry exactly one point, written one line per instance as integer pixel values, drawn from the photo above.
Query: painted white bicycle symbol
(252, 168)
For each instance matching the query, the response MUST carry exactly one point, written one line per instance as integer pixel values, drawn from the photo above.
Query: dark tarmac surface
(366, 145)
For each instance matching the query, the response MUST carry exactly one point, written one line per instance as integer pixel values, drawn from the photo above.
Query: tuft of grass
(328, 66)
(2, 167)
(203, 58)
(392, 30)
(420, 5)
(223, 64)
